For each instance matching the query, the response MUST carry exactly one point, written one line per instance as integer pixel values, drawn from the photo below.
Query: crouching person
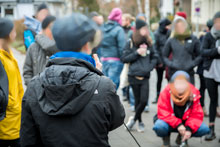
(179, 110)
(71, 103)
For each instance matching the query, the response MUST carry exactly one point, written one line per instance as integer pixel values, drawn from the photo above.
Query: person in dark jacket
(211, 64)
(184, 48)
(112, 46)
(161, 35)
(39, 52)
(200, 70)
(179, 110)
(71, 103)
(140, 54)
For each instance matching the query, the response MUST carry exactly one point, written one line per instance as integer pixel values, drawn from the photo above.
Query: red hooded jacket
(193, 115)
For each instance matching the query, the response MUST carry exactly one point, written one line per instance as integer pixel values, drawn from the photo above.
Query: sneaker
(132, 108)
(130, 124)
(141, 127)
(146, 109)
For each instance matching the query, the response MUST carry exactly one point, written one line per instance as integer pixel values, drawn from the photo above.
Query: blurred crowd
(74, 66)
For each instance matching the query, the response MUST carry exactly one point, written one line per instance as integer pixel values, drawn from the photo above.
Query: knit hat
(72, 32)
(6, 27)
(217, 15)
(116, 15)
(140, 23)
(178, 73)
(41, 7)
(209, 24)
(182, 14)
(47, 21)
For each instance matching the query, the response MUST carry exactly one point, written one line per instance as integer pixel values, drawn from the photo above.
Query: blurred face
(99, 20)
(168, 27)
(144, 31)
(180, 27)
(217, 24)
(42, 14)
(12, 35)
(180, 85)
(48, 31)
(125, 22)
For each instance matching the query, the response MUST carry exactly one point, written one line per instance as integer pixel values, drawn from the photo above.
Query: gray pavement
(121, 138)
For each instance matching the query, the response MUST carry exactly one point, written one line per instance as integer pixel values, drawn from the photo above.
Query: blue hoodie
(113, 41)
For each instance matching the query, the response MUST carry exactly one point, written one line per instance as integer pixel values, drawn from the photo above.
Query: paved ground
(121, 138)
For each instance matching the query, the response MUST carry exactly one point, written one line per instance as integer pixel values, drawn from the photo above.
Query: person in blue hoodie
(112, 46)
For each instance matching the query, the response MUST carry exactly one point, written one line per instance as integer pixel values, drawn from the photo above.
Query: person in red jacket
(179, 110)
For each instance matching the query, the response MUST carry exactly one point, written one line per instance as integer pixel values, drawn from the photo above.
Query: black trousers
(10, 143)
(202, 89)
(212, 87)
(141, 94)
(160, 72)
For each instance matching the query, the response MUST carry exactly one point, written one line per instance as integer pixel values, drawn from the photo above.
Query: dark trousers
(202, 89)
(141, 94)
(10, 143)
(212, 87)
(160, 72)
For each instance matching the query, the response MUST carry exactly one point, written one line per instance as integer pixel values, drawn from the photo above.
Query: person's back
(70, 103)
(113, 40)
(39, 52)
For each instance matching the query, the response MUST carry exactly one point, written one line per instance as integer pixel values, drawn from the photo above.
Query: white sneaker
(141, 127)
(130, 124)
(146, 109)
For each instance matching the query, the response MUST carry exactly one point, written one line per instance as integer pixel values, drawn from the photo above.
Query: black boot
(156, 99)
(211, 136)
(166, 141)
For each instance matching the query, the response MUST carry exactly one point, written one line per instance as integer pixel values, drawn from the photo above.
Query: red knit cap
(182, 14)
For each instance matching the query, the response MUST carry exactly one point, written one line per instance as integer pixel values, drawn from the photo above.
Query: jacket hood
(110, 25)
(48, 45)
(163, 23)
(67, 86)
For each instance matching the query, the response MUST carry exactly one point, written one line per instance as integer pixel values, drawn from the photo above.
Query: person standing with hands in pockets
(142, 58)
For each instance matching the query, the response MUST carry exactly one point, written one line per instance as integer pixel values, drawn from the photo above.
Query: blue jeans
(112, 69)
(162, 129)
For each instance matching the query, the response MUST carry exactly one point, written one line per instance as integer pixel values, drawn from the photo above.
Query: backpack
(3, 92)
(29, 37)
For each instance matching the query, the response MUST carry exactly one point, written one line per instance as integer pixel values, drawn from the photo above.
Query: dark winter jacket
(113, 41)
(70, 104)
(184, 56)
(139, 65)
(3, 91)
(37, 56)
(209, 50)
(161, 36)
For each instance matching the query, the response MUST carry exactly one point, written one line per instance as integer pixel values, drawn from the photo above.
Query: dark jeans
(141, 94)
(162, 129)
(11, 143)
(212, 87)
(160, 72)
(202, 89)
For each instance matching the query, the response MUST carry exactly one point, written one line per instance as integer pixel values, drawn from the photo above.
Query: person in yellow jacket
(10, 125)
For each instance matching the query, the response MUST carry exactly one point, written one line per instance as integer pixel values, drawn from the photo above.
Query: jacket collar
(78, 55)
(74, 62)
